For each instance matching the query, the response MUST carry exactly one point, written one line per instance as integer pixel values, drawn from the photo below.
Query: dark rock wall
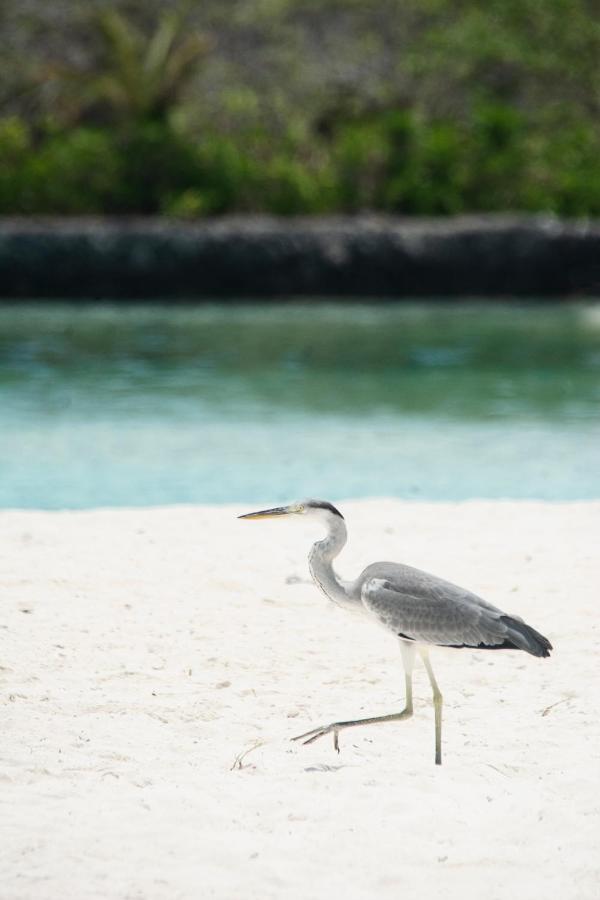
(271, 258)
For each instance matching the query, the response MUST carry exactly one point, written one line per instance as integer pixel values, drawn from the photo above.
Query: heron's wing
(422, 608)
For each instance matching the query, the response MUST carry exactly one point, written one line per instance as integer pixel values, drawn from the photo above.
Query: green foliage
(396, 162)
(15, 145)
(71, 173)
(155, 162)
(67, 173)
(137, 77)
(444, 107)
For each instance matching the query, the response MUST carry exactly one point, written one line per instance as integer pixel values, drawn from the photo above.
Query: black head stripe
(323, 504)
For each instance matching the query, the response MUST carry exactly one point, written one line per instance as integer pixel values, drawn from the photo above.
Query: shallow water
(143, 405)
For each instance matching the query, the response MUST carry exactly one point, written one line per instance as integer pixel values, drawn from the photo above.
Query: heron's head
(318, 508)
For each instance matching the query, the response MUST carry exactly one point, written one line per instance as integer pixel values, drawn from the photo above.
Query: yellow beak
(268, 513)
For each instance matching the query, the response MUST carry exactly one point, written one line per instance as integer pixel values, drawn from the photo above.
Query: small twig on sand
(238, 762)
(499, 771)
(552, 705)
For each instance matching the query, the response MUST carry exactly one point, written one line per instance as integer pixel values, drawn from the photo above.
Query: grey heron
(422, 610)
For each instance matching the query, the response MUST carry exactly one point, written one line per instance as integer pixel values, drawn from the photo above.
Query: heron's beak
(269, 513)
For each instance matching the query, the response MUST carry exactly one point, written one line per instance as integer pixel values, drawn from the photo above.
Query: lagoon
(139, 405)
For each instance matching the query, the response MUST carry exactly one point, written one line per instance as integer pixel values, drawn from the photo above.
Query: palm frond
(136, 75)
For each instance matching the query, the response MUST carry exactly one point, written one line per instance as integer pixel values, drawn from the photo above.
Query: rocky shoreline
(269, 258)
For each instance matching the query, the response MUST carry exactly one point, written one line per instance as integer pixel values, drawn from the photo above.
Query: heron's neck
(321, 557)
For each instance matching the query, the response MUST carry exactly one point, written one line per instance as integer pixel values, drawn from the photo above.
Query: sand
(143, 651)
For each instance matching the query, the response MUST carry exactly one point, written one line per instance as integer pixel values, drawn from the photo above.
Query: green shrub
(72, 173)
(155, 164)
(496, 157)
(360, 154)
(399, 163)
(229, 171)
(396, 161)
(15, 145)
(433, 181)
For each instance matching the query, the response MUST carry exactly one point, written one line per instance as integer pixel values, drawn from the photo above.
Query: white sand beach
(143, 651)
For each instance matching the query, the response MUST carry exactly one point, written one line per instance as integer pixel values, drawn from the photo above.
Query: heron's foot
(336, 727)
(311, 736)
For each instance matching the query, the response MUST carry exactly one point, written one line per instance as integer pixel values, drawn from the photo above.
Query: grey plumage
(422, 610)
(421, 607)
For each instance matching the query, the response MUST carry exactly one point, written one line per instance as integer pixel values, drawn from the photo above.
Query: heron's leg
(408, 659)
(408, 653)
(437, 705)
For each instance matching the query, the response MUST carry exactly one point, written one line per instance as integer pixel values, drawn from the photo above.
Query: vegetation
(300, 106)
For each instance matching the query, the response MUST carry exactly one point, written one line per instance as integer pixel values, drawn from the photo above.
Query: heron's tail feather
(525, 637)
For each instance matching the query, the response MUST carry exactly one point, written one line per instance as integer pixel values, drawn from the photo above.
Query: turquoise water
(143, 405)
